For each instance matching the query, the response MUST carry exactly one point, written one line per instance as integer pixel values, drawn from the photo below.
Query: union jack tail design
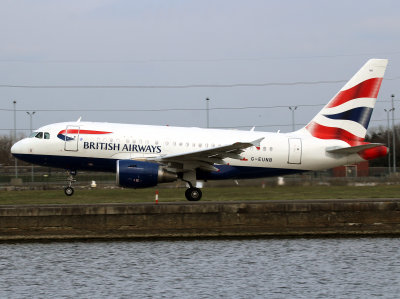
(346, 116)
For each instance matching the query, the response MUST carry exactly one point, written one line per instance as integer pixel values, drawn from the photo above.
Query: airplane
(143, 155)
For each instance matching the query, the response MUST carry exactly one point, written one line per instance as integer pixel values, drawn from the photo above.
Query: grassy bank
(209, 194)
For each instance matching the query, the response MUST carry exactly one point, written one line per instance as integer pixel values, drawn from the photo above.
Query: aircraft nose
(17, 148)
(14, 148)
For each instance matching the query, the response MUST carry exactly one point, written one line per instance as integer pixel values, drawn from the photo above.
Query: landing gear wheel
(193, 194)
(69, 191)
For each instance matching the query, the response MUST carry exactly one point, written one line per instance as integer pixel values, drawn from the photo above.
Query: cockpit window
(40, 135)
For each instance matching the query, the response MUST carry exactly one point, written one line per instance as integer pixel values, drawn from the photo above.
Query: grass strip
(85, 196)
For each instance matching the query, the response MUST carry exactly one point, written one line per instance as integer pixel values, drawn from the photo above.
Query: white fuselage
(295, 151)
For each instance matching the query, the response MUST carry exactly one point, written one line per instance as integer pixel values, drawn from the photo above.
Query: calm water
(261, 268)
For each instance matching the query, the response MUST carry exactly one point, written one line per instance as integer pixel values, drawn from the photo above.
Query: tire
(193, 194)
(68, 191)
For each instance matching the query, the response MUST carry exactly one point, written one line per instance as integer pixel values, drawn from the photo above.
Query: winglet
(257, 142)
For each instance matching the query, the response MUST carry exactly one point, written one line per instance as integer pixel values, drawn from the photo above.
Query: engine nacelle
(139, 174)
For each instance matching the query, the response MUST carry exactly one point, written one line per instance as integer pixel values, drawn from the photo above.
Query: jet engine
(140, 174)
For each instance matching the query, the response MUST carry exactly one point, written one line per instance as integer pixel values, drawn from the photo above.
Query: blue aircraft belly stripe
(109, 165)
(70, 163)
(361, 115)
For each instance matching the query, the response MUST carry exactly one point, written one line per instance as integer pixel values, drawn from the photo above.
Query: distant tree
(380, 135)
(5, 151)
(6, 158)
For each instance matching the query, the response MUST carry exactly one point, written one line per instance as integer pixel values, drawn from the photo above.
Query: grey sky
(100, 42)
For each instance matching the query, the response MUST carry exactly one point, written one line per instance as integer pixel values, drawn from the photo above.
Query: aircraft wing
(205, 158)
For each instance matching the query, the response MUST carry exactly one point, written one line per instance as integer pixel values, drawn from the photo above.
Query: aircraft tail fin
(347, 115)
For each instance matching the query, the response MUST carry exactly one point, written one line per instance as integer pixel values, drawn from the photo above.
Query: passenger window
(39, 135)
(46, 135)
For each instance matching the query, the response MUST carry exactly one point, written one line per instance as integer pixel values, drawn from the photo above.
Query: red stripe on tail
(366, 89)
(323, 132)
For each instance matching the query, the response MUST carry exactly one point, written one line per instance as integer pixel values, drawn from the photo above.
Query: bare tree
(5, 151)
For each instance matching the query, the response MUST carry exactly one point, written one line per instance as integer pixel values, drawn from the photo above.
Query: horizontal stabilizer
(352, 149)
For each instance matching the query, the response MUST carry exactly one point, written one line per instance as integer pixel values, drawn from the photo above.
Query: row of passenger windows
(156, 142)
(40, 135)
(46, 135)
(173, 143)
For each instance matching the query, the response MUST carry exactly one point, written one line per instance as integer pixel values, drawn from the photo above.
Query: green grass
(84, 196)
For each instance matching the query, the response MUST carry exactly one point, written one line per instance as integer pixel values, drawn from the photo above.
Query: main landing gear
(68, 190)
(193, 193)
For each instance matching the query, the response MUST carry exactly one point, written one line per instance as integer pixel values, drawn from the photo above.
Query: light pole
(15, 136)
(292, 108)
(388, 136)
(30, 118)
(30, 127)
(208, 110)
(394, 136)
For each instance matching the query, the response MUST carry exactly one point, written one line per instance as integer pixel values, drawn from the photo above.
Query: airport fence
(38, 177)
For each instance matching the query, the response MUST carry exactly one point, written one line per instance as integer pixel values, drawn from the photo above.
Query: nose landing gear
(69, 190)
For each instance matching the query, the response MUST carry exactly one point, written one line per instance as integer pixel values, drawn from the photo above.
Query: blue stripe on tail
(361, 115)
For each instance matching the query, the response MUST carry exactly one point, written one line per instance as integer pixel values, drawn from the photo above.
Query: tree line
(381, 135)
(6, 158)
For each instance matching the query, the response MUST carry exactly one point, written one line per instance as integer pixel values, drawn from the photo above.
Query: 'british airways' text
(135, 148)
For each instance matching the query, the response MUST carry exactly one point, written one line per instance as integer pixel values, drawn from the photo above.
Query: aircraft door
(71, 138)
(295, 150)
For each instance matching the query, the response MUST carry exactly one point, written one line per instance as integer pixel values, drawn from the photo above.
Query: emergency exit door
(295, 149)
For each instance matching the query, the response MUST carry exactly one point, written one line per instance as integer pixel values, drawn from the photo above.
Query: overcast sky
(179, 43)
